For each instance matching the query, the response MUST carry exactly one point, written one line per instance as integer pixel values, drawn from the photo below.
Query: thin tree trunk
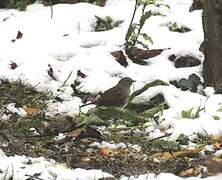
(212, 25)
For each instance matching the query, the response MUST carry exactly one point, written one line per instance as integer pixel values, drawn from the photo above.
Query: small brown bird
(115, 96)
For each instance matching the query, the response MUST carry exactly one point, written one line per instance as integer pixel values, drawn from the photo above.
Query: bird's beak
(133, 81)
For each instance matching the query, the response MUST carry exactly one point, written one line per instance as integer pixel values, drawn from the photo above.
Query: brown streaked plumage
(115, 96)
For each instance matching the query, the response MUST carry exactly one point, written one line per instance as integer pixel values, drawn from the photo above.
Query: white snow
(21, 167)
(43, 43)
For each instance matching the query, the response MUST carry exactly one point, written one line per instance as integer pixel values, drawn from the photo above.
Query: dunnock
(115, 96)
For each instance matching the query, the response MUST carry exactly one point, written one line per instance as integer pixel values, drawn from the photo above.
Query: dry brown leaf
(106, 151)
(183, 153)
(75, 133)
(81, 74)
(13, 65)
(216, 138)
(84, 132)
(19, 35)
(120, 58)
(190, 172)
(162, 156)
(146, 54)
(188, 152)
(32, 111)
(51, 73)
(217, 146)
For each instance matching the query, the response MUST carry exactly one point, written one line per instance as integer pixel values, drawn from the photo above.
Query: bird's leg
(86, 104)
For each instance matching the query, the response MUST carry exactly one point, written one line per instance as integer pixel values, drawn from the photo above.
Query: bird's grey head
(125, 82)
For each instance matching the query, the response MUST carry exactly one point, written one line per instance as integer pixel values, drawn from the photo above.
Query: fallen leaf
(51, 73)
(216, 138)
(105, 151)
(32, 111)
(184, 153)
(81, 74)
(217, 146)
(13, 65)
(172, 57)
(186, 61)
(154, 52)
(162, 156)
(120, 58)
(19, 35)
(194, 171)
(75, 133)
(146, 54)
(85, 132)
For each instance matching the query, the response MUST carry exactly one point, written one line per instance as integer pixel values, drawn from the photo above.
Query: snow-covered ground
(43, 44)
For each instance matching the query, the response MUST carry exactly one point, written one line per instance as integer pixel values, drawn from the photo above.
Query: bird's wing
(112, 97)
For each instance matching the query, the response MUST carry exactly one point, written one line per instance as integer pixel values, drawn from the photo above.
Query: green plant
(182, 139)
(191, 83)
(189, 114)
(145, 87)
(178, 28)
(216, 117)
(22, 94)
(96, 2)
(107, 23)
(219, 109)
(64, 84)
(17, 4)
(135, 29)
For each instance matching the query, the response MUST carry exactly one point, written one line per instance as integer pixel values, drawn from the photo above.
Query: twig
(33, 176)
(131, 22)
(134, 12)
(160, 137)
(155, 118)
(86, 104)
(51, 9)
(125, 128)
(205, 132)
(4, 178)
(64, 83)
